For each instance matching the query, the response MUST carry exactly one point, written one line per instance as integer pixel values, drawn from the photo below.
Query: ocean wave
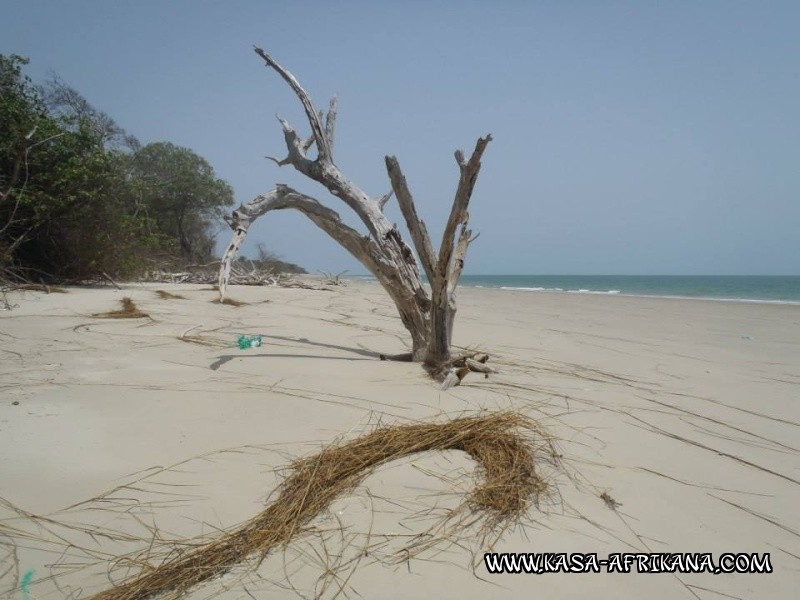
(557, 289)
(631, 295)
(531, 289)
(713, 299)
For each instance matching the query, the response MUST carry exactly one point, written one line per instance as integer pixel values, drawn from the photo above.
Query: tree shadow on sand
(221, 360)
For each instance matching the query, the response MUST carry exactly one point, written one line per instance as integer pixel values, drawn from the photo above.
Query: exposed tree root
(452, 372)
(502, 444)
(403, 357)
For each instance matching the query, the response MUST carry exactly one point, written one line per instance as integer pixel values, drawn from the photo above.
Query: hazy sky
(629, 137)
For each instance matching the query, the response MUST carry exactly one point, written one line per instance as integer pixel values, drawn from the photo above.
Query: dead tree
(384, 253)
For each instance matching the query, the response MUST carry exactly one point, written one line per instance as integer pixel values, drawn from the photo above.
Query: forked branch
(458, 213)
(416, 226)
(323, 147)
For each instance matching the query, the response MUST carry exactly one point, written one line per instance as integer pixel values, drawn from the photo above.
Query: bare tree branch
(330, 122)
(284, 197)
(326, 173)
(381, 202)
(458, 213)
(281, 163)
(416, 227)
(459, 257)
(313, 119)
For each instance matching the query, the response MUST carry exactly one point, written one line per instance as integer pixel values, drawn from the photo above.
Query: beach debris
(506, 445)
(610, 502)
(245, 342)
(229, 301)
(748, 337)
(165, 295)
(453, 378)
(25, 583)
(129, 310)
(201, 339)
(479, 367)
(111, 281)
(4, 303)
(453, 372)
(240, 275)
(38, 287)
(333, 279)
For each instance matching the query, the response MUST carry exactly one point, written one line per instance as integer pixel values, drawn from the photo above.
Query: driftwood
(333, 278)
(382, 250)
(240, 275)
(454, 371)
(111, 281)
(4, 303)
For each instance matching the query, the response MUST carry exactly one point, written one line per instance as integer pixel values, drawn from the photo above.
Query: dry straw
(200, 339)
(229, 301)
(164, 295)
(129, 310)
(505, 446)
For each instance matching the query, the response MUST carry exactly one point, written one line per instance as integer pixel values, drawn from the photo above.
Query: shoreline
(629, 295)
(588, 292)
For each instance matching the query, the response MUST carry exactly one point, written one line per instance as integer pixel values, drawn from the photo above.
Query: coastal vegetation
(81, 199)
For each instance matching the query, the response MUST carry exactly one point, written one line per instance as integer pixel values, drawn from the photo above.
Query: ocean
(741, 288)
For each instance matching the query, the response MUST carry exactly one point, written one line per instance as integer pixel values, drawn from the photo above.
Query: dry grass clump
(164, 295)
(203, 341)
(503, 444)
(200, 339)
(129, 310)
(229, 301)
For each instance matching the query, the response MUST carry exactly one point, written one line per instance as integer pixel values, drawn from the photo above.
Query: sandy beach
(684, 412)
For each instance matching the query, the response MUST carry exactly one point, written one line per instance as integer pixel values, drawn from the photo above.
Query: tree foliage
(182, 194)
(81, 197)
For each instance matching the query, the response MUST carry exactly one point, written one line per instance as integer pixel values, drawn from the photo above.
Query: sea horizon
(768, 289)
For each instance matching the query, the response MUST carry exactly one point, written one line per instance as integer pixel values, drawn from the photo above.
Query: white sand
(685, 412)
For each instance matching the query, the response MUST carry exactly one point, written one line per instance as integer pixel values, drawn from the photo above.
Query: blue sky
(629, 137)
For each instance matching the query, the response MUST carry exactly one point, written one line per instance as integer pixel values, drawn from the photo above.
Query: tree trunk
(383, 252)
(443, 270)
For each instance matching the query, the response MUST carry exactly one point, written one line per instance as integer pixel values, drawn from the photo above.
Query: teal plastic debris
(25, 584)
(249, 341)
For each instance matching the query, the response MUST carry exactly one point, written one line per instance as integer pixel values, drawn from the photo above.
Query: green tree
(27, 156)
(74, 112)
(183, 196)
(79, 197)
